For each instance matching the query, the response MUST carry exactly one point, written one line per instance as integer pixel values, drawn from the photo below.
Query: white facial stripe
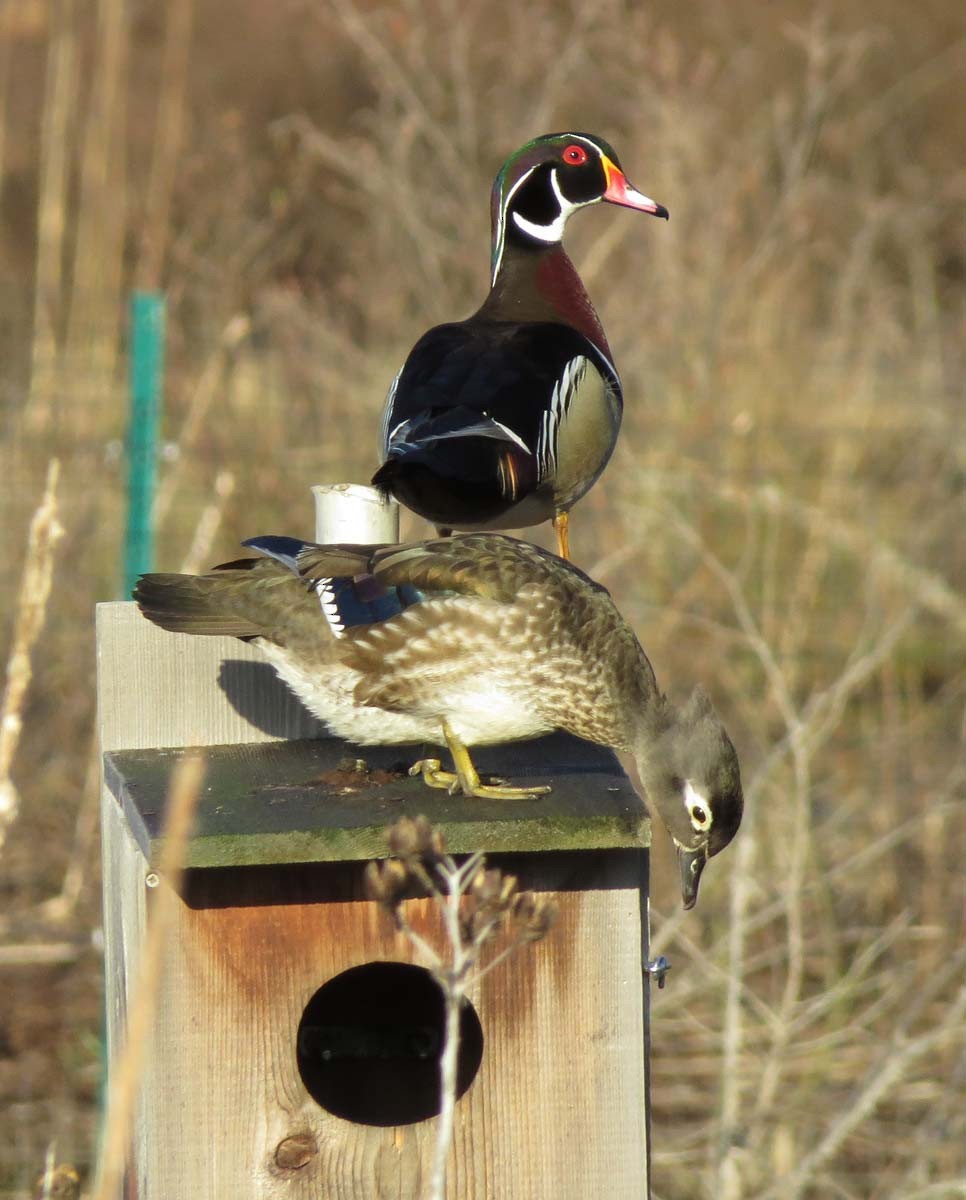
(330, 610)
(543, 233)
(555, 230)
(566, 206)
(693, 800)
(577, 137)
(500, 227)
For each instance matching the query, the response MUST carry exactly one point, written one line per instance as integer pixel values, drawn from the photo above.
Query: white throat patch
(555, 230)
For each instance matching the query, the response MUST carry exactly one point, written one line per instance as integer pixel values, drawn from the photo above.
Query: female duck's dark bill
(691, 863)
(619, 191)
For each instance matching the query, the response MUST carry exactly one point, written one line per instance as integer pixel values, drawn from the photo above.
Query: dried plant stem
(126, 1070)
(728, 1181)
(208, 523)
(358, 25)
(729, 1185)
(6, 55)
(167, 141)
(32, 954)
(898, 1056)
(454, 993)
(927, 587)
(212, 374)
(447, 1082)
(59, 103)
(476, 905)
(452, 979)
(61, 907)
(95, 310)
(45, 532)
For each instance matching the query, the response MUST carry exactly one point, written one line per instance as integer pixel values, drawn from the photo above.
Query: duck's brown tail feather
(237, 600)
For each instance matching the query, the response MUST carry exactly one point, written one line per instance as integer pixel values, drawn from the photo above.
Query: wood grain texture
(556, 1111)
(156, 688)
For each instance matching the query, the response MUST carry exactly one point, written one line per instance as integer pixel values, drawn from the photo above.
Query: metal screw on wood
(658, 968)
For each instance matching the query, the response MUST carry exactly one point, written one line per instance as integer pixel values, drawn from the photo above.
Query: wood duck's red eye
(575, 155)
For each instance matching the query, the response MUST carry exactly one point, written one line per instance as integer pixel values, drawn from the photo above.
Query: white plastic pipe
(354, 512)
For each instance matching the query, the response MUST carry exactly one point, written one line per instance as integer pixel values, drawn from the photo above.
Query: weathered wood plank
(298, 802)
(555, 1113)
(170, 689)
(156, 689)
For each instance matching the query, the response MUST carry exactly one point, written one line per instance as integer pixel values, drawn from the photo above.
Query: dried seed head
(411, 837)
(403, 838)
(508, 890)
(491, 889)
(477, 925)
(533, 916)
(524, 906)
(388, 882)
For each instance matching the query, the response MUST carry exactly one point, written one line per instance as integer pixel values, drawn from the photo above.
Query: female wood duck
(506, 419)
(472, 640)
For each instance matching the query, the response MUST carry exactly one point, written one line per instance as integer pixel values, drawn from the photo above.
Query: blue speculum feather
(347, 601)
(365, 601)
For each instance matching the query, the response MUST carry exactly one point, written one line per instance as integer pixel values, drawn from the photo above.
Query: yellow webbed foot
(466, 777)
(434, 776)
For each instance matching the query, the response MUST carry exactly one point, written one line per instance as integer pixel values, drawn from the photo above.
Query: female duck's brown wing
(240, 599)
(485, 565)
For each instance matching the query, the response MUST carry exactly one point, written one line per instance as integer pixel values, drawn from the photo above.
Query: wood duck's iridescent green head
(691, 774)
(548, 179)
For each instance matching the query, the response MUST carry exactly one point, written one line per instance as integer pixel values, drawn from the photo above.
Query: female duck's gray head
(691, 775)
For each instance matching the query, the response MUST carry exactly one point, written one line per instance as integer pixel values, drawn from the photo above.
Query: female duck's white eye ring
(698, 809)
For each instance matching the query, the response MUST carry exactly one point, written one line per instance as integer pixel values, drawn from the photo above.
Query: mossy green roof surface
(327, 801)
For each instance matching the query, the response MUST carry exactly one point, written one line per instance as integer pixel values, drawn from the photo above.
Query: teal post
(146, 374)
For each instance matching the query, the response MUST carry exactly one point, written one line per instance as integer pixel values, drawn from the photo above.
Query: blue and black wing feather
(347, 600)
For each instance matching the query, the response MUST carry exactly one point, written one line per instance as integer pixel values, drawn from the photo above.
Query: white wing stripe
(556, 412)
(385, 437)
(330, 610)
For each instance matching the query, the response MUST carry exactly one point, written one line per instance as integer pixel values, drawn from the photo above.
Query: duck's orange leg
(561, 526)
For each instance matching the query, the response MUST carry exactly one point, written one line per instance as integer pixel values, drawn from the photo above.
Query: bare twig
(475, 905)
(202, 397)
(45, 532)
(33, 954)
(208, 523)
(167, 141)
(59, 105)
(893, 1063)
(94, 317)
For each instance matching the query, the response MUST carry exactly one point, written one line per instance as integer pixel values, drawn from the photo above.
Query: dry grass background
(784, 519)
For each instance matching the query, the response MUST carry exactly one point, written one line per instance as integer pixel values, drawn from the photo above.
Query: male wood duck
(507, 418)
(471, 640)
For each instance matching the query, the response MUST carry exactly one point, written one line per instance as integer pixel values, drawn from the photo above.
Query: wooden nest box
(294, 1050)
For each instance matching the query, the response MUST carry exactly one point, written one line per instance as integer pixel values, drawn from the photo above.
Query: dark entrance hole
(369, 1044)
